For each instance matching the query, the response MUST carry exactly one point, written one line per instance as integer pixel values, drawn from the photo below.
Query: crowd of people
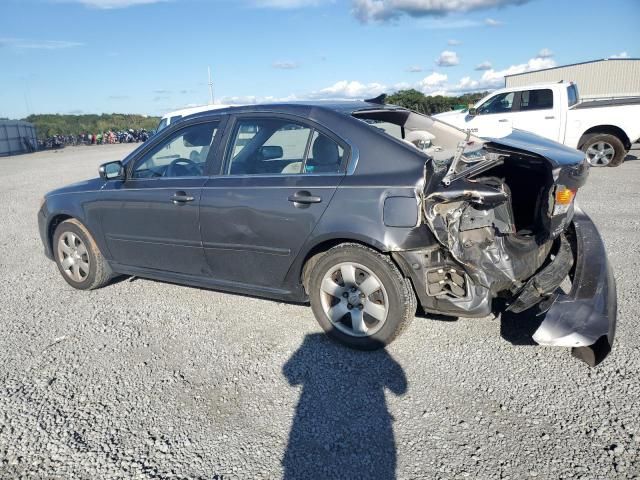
(101, 138)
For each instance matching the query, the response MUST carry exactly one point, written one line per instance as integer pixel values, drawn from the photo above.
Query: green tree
(54, 124)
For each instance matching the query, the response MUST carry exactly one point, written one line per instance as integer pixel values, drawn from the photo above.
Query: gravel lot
(151, 380)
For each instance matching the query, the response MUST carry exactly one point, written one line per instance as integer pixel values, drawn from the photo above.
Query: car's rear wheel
(603, 150)
(78, 257)
(359, 297)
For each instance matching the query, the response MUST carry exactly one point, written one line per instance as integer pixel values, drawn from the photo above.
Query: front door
(493, 118)
(151, 220)
(277, 179)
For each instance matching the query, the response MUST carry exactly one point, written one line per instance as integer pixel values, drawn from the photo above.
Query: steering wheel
(182, 167)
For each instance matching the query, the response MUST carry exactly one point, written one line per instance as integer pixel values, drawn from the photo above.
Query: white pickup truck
(603, 129)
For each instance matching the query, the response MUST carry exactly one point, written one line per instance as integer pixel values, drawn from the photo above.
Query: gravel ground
(144, 379)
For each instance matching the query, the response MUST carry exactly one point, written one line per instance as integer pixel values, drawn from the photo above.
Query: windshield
(432, 137)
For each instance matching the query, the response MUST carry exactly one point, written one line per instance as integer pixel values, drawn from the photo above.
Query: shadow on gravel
(518, 328)
(342, 428)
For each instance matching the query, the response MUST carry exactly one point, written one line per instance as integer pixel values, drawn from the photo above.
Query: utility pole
(211, 98)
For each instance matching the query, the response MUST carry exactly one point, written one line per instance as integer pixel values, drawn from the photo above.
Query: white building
(608, 78)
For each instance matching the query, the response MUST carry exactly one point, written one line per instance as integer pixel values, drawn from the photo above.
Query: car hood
(84, 186)
(554, 151)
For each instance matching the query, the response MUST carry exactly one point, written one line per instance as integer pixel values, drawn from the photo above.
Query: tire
(596, 142)
(87, 269)
(383, 288)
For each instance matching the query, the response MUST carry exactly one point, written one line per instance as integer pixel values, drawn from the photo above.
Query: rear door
(151, 220)
(278, 174)
(538, 113)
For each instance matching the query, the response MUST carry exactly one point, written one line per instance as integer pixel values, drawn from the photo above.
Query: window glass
(162, 124)
(501, 103)
(325, 155)
(268, 146)
(392, 129)
(536, 100)
(184, 154)
(572, 92)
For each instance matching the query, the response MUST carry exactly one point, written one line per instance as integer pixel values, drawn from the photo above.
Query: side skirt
(212, 284)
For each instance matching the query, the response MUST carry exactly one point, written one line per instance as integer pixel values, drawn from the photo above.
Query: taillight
(563, 198)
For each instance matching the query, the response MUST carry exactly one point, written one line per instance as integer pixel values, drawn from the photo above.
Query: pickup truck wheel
(359, 297)
(78, 257)
(603, 150)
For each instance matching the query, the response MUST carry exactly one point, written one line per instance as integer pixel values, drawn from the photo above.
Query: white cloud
(448, 24)
(492, 22)
(454, 43)
(486, 65)
(285, 65)
(23, 43)
(383, 10)
(109, 4)
(349, 89)
(432, 82)
(448, 59)
(545, 53)
(414, 69)
(620, 55)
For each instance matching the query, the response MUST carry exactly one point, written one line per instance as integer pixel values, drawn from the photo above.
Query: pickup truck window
(536, 100)
(572, 95)
(501, 103)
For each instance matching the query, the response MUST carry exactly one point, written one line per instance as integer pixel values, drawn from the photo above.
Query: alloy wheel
(354, 299)
(600, 154)
(73, 256)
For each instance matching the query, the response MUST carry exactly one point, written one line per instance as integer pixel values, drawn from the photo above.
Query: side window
(572, 94)
(268, 146)
(501, 103)
(536, 100)
(183, 154)
(325, 155)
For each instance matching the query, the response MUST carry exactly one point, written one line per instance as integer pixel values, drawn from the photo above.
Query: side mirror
(112, 171)
(473, 112)
(271, 152)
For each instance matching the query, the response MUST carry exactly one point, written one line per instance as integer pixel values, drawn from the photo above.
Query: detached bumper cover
(585, 319)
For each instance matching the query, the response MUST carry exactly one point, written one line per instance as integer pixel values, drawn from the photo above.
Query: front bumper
(585, 318)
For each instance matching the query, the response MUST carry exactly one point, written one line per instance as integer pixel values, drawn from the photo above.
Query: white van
(171, 117)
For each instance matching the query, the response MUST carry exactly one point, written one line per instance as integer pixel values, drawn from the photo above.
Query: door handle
(503, 120)
(181, 197)
(549, 118)
(304, 198)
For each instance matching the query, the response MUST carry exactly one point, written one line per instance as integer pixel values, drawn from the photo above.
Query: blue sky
(151, 56)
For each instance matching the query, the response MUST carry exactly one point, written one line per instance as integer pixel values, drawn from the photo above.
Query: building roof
(573, 64)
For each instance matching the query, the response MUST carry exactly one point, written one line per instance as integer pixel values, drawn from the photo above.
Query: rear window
(572, 93)
(536, 99)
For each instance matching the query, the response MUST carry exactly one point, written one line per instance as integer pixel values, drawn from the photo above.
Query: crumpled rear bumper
(585, 318)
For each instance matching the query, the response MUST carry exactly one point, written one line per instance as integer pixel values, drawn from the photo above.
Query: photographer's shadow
(342, 428)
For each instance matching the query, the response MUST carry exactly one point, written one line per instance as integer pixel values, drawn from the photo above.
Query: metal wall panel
(598, 79)
(17, 136)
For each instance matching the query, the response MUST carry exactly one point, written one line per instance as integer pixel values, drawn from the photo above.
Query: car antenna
(379, 100)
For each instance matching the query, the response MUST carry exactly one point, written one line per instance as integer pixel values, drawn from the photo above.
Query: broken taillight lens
(563, 199)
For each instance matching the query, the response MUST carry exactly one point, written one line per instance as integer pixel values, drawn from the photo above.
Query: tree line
(54, 124)
(430, 105)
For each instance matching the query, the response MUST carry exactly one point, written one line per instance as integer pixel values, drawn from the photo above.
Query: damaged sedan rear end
(509, 234)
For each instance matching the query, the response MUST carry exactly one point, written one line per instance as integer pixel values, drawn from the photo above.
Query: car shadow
(518, 328)
(342, 427)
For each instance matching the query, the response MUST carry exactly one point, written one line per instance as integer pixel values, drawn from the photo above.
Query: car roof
(346, 107)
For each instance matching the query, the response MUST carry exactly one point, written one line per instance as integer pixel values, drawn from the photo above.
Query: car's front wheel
(359, 297)
(78, 257)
